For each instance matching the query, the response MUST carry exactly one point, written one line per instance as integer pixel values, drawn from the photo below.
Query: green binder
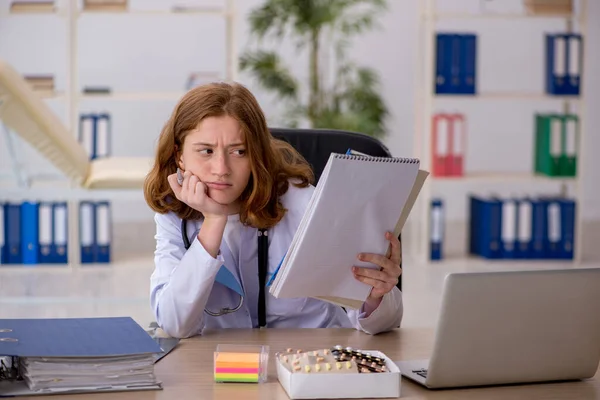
(548, 144)
(556, 144)
(568, 159)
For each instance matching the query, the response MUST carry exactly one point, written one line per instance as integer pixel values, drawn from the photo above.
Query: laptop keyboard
(421, 372)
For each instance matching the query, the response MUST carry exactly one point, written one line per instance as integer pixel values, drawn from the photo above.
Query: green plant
(349, 99)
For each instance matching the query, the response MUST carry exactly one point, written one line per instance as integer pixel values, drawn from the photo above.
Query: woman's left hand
(386, 278)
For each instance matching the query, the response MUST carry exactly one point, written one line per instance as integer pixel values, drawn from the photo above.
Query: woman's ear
(179, 158)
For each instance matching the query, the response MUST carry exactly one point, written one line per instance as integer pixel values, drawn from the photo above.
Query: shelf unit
(425, 99)
(38, 185)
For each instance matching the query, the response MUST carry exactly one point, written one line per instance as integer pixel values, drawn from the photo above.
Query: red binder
(448, 144)
(440, 145)
(458, 133)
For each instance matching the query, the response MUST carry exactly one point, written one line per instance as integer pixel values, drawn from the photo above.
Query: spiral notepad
(358, 198)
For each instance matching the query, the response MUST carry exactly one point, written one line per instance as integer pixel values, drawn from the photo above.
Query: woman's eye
(205, 151)
(239, 152)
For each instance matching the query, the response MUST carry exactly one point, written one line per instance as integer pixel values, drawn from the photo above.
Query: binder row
(37, 232)
(95, 133)
(448, 144)
(522, 228)
(456, 63)
(556, 144)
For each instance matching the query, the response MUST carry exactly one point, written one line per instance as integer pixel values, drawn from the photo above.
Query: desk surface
(187, 373)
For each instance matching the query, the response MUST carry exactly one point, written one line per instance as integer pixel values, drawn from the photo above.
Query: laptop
(513, 327)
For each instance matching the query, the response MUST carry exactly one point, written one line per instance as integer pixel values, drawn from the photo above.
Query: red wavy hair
(273, 162)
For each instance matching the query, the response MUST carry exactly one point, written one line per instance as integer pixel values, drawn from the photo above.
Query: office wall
(156, 53)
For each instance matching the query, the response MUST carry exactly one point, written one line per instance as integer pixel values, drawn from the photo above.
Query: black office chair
(316, 145)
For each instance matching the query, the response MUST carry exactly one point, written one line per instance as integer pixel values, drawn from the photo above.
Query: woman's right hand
(194, 193)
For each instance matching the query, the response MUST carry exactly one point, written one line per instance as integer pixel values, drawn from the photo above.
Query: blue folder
(564, 60)
(539, 228)
(468, 64)
(60, 236)
(102, 237)
(485, 227)
(89, 341)
(87, 231)
(87, 123)
(75, 337)
(437, 230)
(29, 232)
(102, 135)
(12, 234)
(553, 239)
(46, 231)
(567, 213)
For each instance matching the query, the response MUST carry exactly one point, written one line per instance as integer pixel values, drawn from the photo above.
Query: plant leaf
(268, 69)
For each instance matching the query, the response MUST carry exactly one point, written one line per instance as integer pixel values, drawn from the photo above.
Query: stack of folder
(541, 227)
(54, 356)
(556, 144)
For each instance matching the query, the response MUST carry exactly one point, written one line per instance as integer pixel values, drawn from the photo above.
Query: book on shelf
(105, 5)
(32, 6)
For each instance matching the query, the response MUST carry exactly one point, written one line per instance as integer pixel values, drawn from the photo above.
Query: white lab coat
(181, 285)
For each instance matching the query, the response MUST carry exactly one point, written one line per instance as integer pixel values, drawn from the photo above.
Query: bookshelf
(427, 100)
(18, 184)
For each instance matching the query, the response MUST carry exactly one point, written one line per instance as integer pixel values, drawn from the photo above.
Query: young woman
(238, 179)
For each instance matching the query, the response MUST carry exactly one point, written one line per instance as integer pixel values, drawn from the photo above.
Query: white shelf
(128, 96)
(205, 11)
(53, 187)
(511, 96)
(426, 102)
(499, 16)
(495, 177)
(60, 12)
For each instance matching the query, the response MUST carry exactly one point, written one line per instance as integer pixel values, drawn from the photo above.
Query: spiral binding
(395, 160)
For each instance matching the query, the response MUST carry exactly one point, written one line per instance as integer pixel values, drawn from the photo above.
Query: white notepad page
(356, 201)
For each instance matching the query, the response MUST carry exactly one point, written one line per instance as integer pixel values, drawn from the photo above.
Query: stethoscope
(225, 310)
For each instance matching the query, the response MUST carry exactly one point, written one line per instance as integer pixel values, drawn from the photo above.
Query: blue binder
(12, 234)
(553, 239)
(102, 238)
(539, 227)
(564, 60)
(485, 227)
(456, 63)
(87, 231)
(437, 229)
(102, 136)
(2, 235)
(29, 232)
(523, 249)
(443, 66)
(60, 233)
(45, 229)
(468, 64)
(509, 219)
(87, 123)
(567, 223)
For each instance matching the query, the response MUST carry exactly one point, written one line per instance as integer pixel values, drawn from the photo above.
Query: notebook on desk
(358, 198)
(75, 355)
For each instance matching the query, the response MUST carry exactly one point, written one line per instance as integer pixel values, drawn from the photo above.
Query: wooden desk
(187, 372)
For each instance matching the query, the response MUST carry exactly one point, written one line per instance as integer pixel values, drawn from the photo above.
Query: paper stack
(77, 355)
